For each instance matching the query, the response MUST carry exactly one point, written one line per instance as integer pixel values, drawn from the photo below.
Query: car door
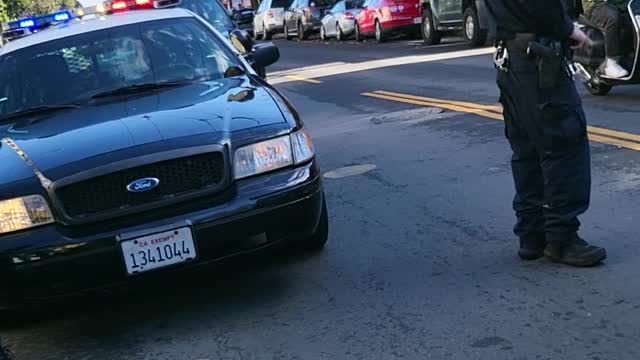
(334, 15)
(450, 10)
(365, 18)
(302, 4)
(290, 16)
(258, 20)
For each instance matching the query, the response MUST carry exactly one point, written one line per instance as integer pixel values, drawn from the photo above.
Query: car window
(350, 5)
(212, 11)
(337, 8)
(100, 61)
(280, 3)
(322, 3)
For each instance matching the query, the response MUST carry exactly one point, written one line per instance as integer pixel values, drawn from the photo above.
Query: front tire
(323, 33)
(301, 34)
(339, 34)
(357, 34)
(380, 37)
(430, 36)
(597, 88)
(286, 32)
(474, 36)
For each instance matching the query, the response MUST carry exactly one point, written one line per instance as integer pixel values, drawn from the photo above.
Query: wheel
(357, 33)
(339, 34)
(597, 88)
(301, 34)
(286, 32)
(380, 37)
(318, 240)
(473, 34)
(266, 35)
(430, 35)
(323, 33)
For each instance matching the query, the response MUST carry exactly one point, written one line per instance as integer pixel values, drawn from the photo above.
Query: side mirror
(242, 41)
(265, 54)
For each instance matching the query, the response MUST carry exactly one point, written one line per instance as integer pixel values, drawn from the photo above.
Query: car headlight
(273, 154)
(23, 213)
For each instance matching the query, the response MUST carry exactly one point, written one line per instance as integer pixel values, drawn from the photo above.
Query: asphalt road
(421, 262)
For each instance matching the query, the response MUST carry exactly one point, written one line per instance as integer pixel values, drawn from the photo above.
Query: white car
(269, 18)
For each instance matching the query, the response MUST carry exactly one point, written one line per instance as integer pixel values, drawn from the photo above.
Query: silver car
(340, 21)
(269, 18)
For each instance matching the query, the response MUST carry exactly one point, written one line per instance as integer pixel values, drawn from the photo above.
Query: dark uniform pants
(614, 24)
(547, 131)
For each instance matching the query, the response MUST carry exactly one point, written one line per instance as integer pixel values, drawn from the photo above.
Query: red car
(383, 17)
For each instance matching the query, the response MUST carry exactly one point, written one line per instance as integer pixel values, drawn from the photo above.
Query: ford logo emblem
(142, 185)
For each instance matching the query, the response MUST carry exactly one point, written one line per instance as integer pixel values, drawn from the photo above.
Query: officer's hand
(580, 38)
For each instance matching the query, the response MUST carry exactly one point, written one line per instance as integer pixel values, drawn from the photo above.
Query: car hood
(192, 115)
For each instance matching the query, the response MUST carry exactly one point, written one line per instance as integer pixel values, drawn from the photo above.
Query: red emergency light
(119, 5)
(144, 3)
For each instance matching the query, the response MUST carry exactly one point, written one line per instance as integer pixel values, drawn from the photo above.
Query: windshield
(213, 12)
(72, 70)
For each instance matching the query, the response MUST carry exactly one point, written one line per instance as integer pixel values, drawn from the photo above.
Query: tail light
(119, 5)
(349, 16)
(270, 14)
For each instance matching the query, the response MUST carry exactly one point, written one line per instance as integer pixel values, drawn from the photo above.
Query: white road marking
(349, 171)
(318, 71)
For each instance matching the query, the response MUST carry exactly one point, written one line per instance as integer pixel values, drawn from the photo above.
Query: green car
(443, 17)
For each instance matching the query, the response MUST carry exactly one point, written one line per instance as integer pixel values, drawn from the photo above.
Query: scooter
(589, 60)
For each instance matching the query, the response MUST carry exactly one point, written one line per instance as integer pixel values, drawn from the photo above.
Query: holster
(550, 58)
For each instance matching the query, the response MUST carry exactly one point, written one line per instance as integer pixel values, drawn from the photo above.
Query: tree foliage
(12, 9)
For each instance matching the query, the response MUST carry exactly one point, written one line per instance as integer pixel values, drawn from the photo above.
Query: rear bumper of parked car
(274, 24)
(51, 262)
(400, 25)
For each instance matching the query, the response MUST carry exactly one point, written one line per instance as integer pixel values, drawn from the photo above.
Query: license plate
(417, 20)
(158, 250)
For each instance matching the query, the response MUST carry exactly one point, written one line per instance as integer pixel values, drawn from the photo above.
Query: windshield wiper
(39, 110)
(139, 88)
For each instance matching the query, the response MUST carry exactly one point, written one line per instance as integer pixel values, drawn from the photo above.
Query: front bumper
(51, 262)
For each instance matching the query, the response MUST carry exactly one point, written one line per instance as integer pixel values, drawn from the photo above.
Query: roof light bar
(119, 5)
(27, 23)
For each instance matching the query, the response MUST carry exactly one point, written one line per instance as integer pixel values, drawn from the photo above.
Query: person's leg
(609, 20)
(525, 165)
(567, 174)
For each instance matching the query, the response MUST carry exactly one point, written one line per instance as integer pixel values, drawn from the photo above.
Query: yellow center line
(302, 78)
(498, 109)
(601, 135)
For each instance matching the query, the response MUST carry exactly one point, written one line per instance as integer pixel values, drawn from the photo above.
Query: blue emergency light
(27, 23)
(62, 16)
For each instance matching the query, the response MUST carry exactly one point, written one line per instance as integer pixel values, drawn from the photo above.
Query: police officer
(546, 128)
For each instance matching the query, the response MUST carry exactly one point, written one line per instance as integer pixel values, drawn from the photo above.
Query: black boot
(575, 252)
(532, 247)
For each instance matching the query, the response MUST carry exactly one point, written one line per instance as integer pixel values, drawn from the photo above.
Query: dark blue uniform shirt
(545, 18)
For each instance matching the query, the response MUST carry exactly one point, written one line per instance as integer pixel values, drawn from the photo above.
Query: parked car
(304, 17)
(443, 17)
(382, 18)
(175, 154)
(244, 19)
(340, 21)
(269, 18)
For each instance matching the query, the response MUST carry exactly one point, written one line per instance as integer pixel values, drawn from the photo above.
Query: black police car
(149, 144)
